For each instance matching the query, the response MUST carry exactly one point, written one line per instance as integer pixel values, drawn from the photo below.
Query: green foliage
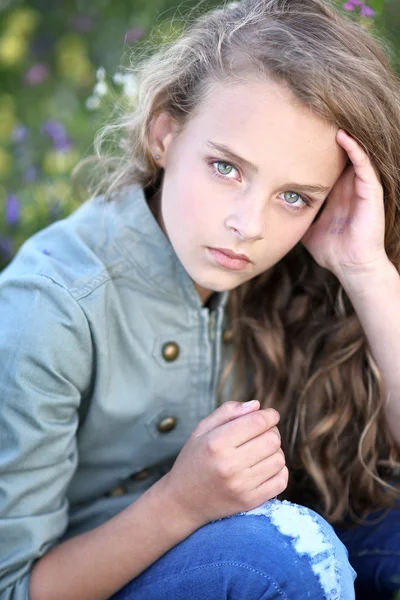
(60, 77)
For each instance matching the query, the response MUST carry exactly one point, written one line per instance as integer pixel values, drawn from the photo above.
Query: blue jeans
(374, 552)
(280, 550)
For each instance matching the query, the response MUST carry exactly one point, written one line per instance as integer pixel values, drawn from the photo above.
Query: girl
(246, 247)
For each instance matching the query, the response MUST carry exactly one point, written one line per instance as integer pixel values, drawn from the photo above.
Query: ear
(163, 129)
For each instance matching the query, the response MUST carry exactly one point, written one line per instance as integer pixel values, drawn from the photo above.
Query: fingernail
(249, 404)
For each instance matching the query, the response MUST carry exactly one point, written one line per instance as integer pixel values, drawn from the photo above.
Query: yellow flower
(73, 60)
(13, 49)
(58, 190)
(22, 22)
(57, 162)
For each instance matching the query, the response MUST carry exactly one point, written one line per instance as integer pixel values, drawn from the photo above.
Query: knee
(292, 534)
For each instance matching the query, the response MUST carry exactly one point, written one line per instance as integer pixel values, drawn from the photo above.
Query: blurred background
(63, 71)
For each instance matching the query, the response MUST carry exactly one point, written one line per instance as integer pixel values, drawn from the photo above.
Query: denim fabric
(374, 552)
(279, 551)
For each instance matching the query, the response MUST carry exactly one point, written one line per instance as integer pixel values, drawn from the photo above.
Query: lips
(232, 254)
(228, 259)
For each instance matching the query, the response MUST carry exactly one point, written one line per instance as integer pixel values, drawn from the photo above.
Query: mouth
(232, 254)
(229, 259)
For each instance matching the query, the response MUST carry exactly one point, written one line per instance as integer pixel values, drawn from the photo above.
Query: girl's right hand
(232, 462)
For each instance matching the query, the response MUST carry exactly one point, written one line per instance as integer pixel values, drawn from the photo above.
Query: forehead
(267, 125)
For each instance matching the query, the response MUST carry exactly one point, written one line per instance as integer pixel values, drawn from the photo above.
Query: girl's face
(247, 175)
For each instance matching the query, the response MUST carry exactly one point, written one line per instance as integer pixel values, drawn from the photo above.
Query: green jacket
(108, 360)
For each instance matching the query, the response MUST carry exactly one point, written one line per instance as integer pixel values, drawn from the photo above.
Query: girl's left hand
(348, 237)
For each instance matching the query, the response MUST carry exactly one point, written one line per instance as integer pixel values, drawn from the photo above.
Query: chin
(220, 284)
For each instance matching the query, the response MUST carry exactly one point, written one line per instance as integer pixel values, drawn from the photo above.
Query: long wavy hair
(295, 329)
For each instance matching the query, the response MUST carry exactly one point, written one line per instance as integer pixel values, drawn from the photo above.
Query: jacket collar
(145, 245)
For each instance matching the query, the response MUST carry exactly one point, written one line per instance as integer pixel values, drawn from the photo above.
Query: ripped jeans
(277, 551)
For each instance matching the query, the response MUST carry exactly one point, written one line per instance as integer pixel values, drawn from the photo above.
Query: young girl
(247, 247)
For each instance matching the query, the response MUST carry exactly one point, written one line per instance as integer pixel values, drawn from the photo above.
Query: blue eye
(224, 168)
(293, 198)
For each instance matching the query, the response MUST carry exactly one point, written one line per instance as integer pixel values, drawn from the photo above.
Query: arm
(45, 368)
(231, 462)
(375, 296)
(98, 563)
(355, 252)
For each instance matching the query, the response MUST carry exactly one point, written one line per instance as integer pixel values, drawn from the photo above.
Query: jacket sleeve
(45, 369)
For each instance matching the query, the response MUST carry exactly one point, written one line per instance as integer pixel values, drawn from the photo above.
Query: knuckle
(213, 445)
(274, 440)
(235, 487)
(229, 405)
(276, 430)
(283, 478)
(258, 420)
(198, 430)
(280, 461)
(272, 416)
(225, 471)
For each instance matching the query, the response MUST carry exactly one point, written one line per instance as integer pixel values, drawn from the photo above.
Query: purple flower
(12, 209)
(366, 11)
(36, 74)
(62, 144)
(6, 247)
(58, 134)
(19, 134)
(54, 129)
(134, 34)
(30, 175)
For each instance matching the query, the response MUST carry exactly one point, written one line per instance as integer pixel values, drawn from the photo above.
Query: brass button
(141, 475)
(166, 424)
(118, 491)
(170, 351)
(228, 336)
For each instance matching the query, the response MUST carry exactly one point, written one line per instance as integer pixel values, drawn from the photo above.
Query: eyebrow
(301, 187)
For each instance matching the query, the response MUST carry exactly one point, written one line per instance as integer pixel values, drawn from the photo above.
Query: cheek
(199, 204)
(286, 233)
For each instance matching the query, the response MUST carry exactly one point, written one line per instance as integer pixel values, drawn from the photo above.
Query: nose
(246, 219)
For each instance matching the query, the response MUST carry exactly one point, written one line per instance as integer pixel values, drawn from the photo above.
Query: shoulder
(84, 250)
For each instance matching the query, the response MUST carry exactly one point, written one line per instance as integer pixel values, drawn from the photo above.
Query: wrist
(177, 521)
(359, 280)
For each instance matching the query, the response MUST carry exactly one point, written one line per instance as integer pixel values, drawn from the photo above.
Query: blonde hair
(295, 329)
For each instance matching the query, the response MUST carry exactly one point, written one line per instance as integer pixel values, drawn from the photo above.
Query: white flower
(129, 83)
(118, 78)
(93, 102)
(101, 74)
(131, 87)
(100, 89)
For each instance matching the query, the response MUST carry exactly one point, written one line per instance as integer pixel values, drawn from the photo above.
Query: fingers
(267, 468)
(224, 414)
(247, 427)
(362, 164)
(274, 486)
(260, 447)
